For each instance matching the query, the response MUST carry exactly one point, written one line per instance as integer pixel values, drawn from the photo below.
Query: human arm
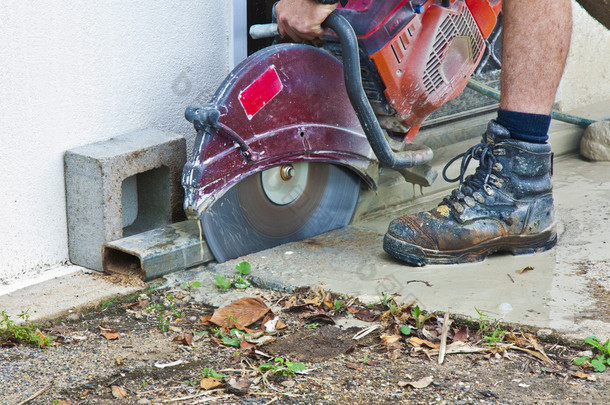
(302, 19)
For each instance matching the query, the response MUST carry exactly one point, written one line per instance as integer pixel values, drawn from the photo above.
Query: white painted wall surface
(76, 72)
(586, 79)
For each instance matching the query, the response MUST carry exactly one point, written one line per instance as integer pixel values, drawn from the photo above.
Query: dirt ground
(162, 346)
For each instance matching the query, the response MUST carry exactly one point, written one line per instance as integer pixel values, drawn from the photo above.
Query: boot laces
(483, 152)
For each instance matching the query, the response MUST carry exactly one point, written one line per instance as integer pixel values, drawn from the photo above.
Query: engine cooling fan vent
(454, 25)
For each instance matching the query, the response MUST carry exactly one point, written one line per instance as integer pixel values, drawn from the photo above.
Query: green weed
(386, 300)
(282, 367)
(489, 328)
(405, 330)
(111, 302)
(165, 312)
(11, 332)
(233, 338)
(601, 360)
(211, 373)
(191, 285)
(239, 280)
(420, 319)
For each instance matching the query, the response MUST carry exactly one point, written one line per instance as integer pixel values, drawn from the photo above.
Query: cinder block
(146, 166)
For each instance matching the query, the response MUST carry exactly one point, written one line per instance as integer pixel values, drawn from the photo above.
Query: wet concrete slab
(567, 289)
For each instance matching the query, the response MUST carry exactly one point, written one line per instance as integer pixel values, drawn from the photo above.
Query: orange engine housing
(430, 55)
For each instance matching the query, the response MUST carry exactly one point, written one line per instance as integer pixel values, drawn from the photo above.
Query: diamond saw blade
(280, 205)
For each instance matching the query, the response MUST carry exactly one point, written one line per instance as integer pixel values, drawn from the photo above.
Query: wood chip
(118, 392)
(166, 365)
(421, 383)
(523, 270)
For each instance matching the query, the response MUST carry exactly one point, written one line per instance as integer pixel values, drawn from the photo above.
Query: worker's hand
(302, 19)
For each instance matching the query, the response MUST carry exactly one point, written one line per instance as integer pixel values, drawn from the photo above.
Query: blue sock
(525, 127)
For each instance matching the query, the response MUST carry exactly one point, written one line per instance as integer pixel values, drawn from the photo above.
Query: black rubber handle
(418, 154)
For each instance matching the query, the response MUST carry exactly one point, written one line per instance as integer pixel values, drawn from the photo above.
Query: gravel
(82, 367)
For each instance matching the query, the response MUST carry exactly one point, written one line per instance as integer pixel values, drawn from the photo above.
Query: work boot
(506, 205)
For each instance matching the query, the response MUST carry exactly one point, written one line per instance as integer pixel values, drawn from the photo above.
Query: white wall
(586, 79)
(76, 72)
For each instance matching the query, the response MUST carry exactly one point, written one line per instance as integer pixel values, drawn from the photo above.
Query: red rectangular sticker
(260, 92)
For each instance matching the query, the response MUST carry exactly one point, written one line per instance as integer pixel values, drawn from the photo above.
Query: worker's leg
(507, 205)
(534, 49)
(535, 43)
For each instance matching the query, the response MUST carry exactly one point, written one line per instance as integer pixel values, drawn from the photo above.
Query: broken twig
(444, 332)
(36, 394)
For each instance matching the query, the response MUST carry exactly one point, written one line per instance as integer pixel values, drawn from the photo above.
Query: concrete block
(137, 174)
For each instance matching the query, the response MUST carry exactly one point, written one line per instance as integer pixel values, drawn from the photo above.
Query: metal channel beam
(158, 252)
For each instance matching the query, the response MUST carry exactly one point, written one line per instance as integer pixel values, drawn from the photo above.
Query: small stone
(238, 386)
(585, 353)
(73, 317)
(544, 332)
(144, 401)
(595, 143)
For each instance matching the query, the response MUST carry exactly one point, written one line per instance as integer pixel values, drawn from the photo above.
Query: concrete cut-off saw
(284, 144)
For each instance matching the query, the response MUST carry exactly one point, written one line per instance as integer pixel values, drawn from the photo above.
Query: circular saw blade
(246, 220)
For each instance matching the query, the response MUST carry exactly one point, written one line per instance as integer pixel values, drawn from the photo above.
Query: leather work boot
(506, 205)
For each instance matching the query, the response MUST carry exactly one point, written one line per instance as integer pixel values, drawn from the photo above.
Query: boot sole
(517, 245)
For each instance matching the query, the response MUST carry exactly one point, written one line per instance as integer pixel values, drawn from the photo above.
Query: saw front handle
(417, 154)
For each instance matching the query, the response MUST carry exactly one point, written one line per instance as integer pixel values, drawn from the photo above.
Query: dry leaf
(319, 317)
(417, 342)
(461, 347)
(523, 270)
(461, 334)
(185, 339)
(389, 339)
(364, 314)
(109, 333)
(204, 319)
(245, 345)
(539, 355)
(240, 314)
(291, 302)
(268, 322)
(328, 301)
(422, 383)
(210, 383)
(581, 374)
(118, 392)
(354, 366)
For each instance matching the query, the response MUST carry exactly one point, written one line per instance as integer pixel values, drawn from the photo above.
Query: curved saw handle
(418, 154)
